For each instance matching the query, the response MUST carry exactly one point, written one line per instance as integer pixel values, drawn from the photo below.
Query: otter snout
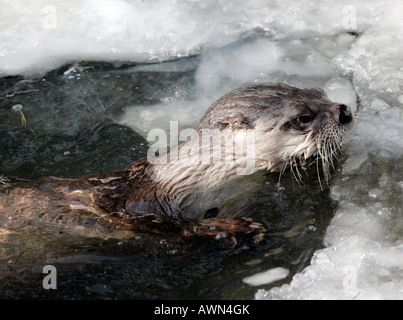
(345, 116)
(343, 112)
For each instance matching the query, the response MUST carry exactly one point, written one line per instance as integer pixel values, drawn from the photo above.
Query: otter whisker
(297, 179)
(330, 153)
(335, 151)
(326, 163)
(284, 167)
(298, 173)
(295, 169)
(328, 147)
(317, 171)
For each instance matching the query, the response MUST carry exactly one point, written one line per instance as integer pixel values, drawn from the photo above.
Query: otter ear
(235, 122)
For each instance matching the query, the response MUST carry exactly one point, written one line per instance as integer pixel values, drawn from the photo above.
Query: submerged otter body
(259, 127)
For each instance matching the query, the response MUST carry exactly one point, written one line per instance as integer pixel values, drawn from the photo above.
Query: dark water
(64, 124)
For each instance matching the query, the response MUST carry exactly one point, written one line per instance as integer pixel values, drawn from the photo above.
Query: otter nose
(345, 116)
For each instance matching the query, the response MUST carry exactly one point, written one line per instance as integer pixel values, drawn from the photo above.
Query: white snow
(267, 276)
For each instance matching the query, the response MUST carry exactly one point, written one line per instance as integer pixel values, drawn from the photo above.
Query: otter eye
(305, 118)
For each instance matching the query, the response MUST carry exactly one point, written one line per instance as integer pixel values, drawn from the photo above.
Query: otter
(261, 127)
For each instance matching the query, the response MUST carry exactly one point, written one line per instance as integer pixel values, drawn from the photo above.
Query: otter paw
(238, 231)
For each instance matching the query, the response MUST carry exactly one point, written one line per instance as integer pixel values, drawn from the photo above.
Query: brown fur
(118, 200)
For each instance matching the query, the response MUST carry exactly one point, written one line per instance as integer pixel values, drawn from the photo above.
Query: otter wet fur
(263, 127)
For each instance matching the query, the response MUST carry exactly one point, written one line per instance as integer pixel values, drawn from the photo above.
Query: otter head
(289, 125)
(259, 127)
